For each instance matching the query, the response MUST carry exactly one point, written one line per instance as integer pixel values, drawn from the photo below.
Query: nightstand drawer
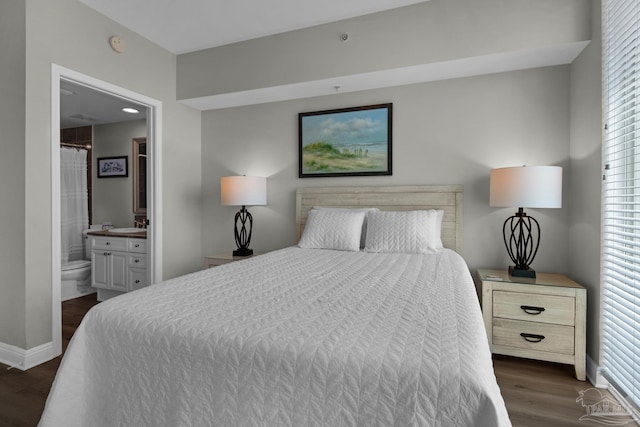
(533, 336)
(534, 307)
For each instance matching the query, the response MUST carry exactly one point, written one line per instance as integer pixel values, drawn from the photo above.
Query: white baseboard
(594, 376)
(23, 359)
(599, 381)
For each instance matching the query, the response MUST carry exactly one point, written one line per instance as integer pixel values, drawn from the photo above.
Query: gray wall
(448, 132)
(445, 132)
(113, 197)
(68, 33)
(585, 178)
(12, 178)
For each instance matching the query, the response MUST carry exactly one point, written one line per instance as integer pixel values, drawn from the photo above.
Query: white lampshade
(243, 190)
(526, 187)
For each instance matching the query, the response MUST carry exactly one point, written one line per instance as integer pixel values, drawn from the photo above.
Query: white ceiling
(188, 25)
(84, 106)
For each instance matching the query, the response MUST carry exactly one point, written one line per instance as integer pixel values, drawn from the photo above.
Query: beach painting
(345, 142)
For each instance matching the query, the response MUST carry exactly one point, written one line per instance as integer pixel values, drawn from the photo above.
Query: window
(621, 198)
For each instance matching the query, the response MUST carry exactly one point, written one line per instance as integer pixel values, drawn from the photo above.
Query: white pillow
(332, 229)
(363, 236)
(415, 232)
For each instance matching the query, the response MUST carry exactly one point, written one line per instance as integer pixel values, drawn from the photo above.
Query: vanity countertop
(142, 234)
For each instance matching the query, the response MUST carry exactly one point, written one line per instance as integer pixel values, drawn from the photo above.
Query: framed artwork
(139, 160)
(345, 142)
(113, 167)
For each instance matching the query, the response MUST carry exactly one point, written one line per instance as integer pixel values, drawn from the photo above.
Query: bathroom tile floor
(23, 393)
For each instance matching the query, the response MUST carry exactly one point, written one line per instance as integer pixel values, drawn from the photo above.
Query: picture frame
(113, 167)
(355, 141)
(139, 173)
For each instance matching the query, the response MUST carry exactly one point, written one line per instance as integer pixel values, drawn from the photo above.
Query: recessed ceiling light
(130, 110)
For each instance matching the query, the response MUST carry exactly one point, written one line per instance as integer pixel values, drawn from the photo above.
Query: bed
(301, 336)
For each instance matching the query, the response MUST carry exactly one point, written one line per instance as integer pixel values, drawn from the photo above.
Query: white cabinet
(119, 264)
(109, 270)
(137, 265)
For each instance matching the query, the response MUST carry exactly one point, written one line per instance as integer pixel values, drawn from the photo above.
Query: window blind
(621, 198)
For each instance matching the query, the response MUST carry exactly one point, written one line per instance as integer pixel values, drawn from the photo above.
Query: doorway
(61, 75)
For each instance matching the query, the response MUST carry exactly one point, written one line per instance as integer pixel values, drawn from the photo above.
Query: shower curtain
(74, 206)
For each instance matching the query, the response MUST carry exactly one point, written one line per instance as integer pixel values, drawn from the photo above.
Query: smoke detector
(117, 44)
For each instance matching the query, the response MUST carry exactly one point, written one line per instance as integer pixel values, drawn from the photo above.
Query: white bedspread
(297, 337)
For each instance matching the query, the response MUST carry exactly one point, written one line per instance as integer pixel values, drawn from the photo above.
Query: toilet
(76, 275)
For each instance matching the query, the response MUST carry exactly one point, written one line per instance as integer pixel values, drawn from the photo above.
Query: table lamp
(243, 191)
(524, 187)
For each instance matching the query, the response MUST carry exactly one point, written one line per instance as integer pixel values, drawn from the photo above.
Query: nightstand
(541, 318)
(224, 258)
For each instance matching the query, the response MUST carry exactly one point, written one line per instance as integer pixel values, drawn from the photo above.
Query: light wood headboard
(391, 198)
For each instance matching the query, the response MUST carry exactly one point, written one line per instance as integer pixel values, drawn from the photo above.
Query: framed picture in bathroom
(113, 167)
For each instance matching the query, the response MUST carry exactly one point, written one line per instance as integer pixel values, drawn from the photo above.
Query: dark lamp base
(521, 272)
(243, 252)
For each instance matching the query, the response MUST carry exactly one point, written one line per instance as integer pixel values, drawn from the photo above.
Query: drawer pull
(532, 310)
(137, 281)
(532, 337)
(136, 260)
(137, 245)
(107, 243)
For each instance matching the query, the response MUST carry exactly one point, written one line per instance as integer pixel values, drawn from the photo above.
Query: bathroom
(93, 126)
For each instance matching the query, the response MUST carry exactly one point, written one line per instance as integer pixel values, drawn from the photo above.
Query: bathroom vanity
(118, 262)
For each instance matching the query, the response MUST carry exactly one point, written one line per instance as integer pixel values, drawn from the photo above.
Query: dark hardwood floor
(536, 393)
(23, 393)
(545, 394)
